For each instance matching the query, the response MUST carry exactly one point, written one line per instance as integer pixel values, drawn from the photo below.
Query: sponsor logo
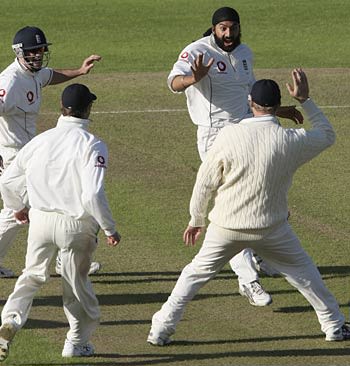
(221, 66)
(2, 93)
(184, 55)
(38, 39)
(245, 65)
(30, 96)
(101, 162)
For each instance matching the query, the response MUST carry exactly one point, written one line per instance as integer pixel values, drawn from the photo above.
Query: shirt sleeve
(46, 75)
(7, 96)
(184, 62)
(93, 195)
(319, 137)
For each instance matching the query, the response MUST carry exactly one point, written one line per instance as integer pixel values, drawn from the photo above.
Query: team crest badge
(101, 162)
(30, 96)
(221, 66)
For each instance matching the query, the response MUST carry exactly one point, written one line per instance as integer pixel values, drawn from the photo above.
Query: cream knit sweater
(250, 168)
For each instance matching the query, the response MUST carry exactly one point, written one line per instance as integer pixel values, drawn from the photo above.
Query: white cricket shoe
(94, 266)
(159, 336)
(255, 293)
(340, 334)
(7, 333)
(77, 350)
(6, 273)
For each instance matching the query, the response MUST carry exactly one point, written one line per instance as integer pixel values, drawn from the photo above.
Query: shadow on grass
(51, 324)
(161, 358)
(326, 271)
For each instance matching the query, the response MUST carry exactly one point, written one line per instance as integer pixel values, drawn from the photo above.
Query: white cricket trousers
(8, 225)
(281, 249)
(48, 232)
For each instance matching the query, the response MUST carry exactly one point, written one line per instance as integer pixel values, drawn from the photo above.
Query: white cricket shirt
(62, 171)
(20, 99)
(222, 95)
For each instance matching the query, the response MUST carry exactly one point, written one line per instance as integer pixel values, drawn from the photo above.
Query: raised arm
(60, 76)
(199, 70)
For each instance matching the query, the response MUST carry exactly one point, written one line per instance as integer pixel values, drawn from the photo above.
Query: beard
(236, 41)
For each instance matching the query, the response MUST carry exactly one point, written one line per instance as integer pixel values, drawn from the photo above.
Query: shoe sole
(73, 356)
(334, 339)
(4, 352)
(158, 344)
(155, 342)
(7, 332)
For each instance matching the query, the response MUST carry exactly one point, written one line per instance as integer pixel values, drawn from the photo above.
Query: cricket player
(249, 170)
(20, 99)
(216, 74)
(62, 171)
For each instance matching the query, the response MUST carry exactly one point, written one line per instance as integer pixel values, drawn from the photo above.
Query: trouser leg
(79, 301)
(40, 252)
(242, 264)
(77, 241)
(213, 255)
(282, 250)
(8, 231)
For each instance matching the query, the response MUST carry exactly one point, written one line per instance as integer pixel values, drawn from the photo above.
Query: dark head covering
(30, 38)
(77, 97)
(266, 93)
(223, 14)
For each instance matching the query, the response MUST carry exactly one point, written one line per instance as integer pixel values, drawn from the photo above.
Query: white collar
(69, 121)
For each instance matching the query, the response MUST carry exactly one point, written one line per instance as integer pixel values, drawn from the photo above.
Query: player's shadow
(162, 358)
(171, 276)
(52, 324)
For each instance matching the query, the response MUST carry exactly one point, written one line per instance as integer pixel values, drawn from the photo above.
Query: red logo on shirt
(184, 55)
(30, 96)
(2, 92)
(100, 162)
(221, 66)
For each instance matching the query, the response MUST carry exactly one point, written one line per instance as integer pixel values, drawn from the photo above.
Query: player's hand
(199, 70)
(191, 235)
(300, 88)
(88, 64)
(22, 215)
(290, 112)
(113, 240)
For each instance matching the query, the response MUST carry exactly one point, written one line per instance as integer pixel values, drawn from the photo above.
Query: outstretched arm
(199, 70)
(60, 76)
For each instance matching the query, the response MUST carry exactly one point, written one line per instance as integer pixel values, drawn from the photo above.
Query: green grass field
(152, 169)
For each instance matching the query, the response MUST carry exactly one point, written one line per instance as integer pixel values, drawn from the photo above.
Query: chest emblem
(30, 97)
(221, 66)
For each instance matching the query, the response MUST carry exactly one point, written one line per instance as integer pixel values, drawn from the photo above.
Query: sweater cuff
(309, 106)
(197, 221)
(109, 232)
